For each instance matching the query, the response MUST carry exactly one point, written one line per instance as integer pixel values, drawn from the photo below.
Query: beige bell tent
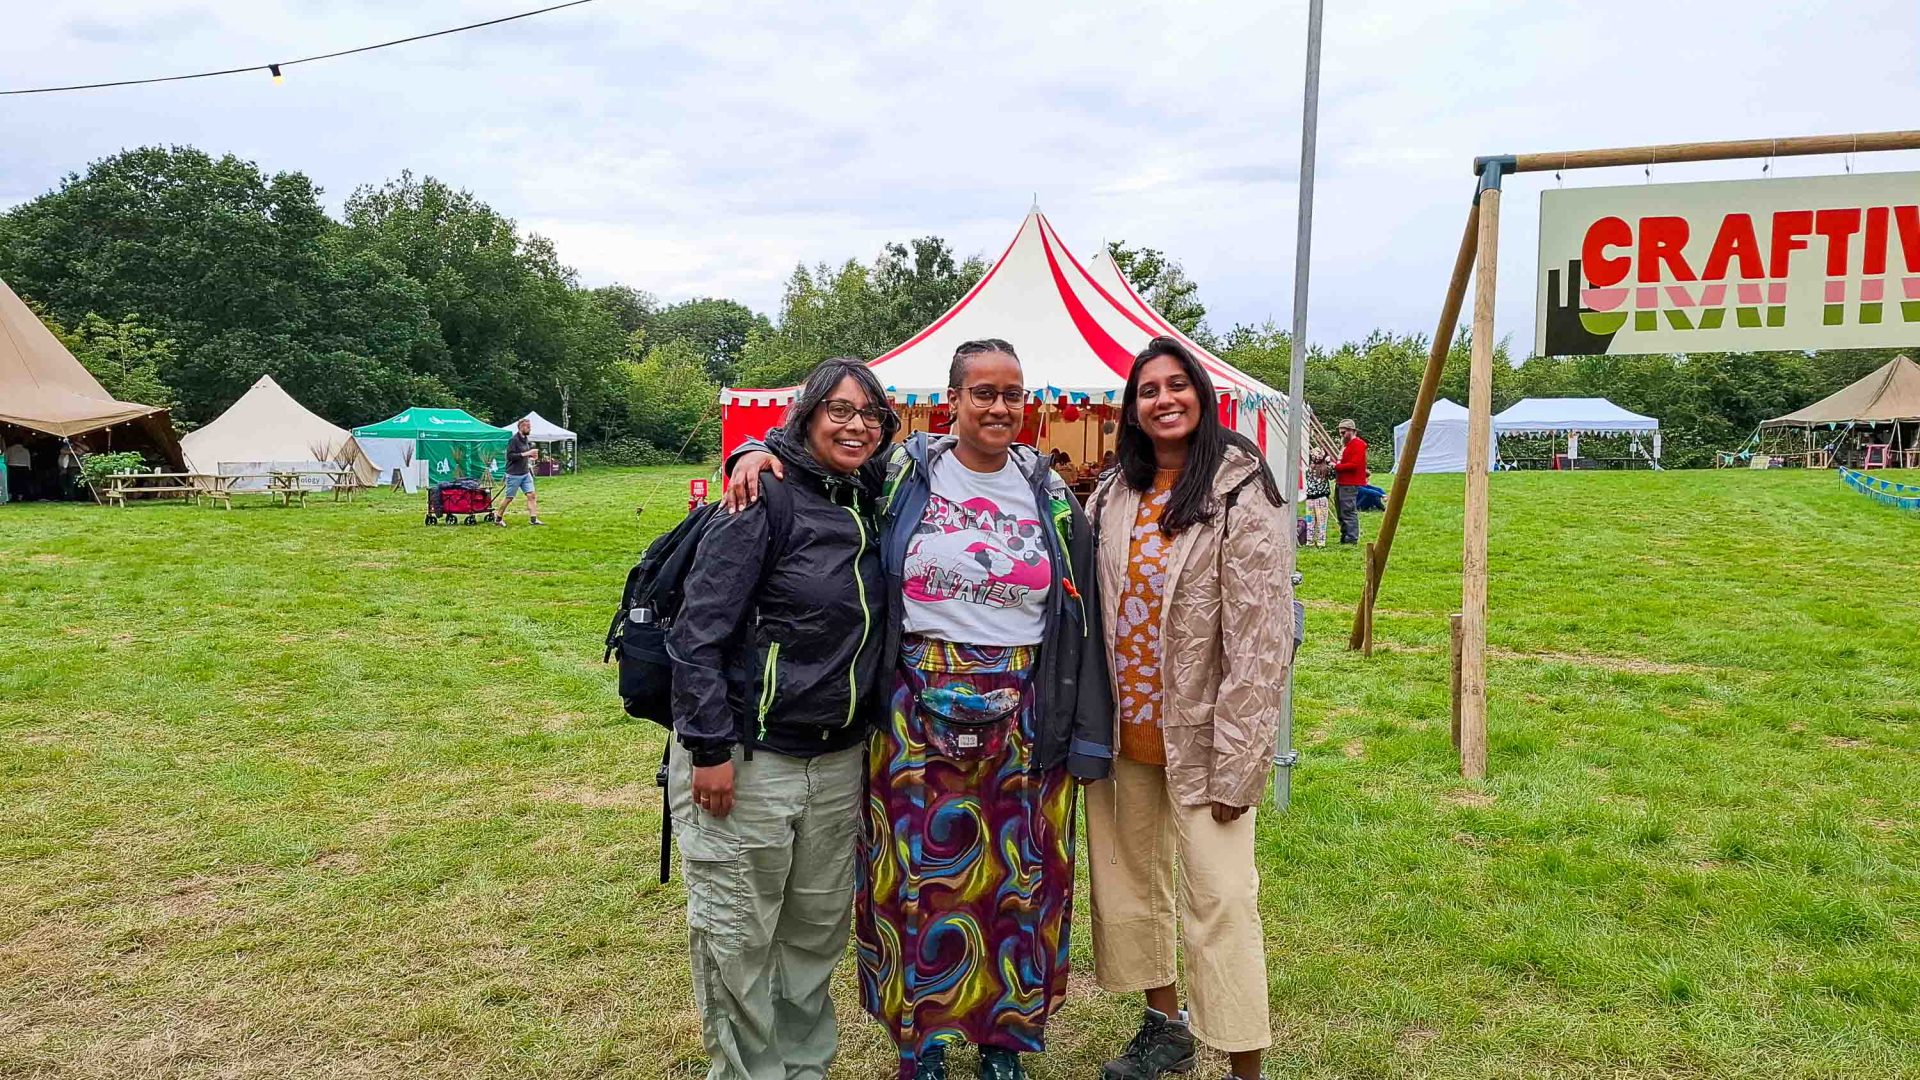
(48, 401)
(268, 431)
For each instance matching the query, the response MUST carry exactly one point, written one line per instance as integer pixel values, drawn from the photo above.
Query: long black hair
(1191, 502)
(821, 382)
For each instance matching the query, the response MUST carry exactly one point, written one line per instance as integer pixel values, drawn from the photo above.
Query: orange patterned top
(1136, 628)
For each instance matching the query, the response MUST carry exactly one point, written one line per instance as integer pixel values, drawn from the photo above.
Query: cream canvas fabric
(267, 428)
(42, 387)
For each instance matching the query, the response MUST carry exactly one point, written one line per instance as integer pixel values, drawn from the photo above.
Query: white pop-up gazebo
(1076, 327)
(1571, 418)
(544, 432)
(1444, 447)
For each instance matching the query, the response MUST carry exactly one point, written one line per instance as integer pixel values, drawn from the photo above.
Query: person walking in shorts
(520, 457)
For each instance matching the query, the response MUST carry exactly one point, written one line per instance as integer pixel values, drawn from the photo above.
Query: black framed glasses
(984, 395)
(840, 410)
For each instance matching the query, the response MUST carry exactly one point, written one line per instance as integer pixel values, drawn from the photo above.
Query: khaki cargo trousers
(769, 907)
(1134, 833)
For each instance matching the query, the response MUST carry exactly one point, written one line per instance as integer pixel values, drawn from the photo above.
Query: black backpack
(655, 589)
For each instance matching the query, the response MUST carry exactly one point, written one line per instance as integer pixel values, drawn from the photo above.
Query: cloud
(694, 148)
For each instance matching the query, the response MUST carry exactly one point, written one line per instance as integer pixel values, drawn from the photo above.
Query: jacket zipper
(767, 676)
(866, 616)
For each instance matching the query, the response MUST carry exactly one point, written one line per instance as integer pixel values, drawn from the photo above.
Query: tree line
(179, 279)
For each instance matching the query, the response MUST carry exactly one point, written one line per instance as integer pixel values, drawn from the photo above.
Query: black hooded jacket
(804, 677)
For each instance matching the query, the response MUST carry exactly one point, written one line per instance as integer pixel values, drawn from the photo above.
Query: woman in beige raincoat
(1195, 570)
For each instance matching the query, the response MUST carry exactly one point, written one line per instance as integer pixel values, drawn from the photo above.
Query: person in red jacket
(1350, 472)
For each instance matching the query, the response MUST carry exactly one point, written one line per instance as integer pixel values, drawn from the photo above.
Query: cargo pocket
(715, 867)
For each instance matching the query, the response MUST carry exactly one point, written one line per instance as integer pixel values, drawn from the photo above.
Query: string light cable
(274, 69)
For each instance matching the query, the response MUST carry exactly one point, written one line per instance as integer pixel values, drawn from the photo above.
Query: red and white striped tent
(1076, 328)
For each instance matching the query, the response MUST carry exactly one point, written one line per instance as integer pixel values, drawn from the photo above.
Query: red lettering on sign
(1907, 219)
(1661, 241)
(1838, 226)
(1874, 259)
(1736, 241)
(1600, 270)
(1790, 229)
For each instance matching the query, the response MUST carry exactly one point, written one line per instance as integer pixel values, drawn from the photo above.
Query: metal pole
(1285, 756)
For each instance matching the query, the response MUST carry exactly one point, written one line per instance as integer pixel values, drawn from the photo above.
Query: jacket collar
(927, 448)
(805, 466)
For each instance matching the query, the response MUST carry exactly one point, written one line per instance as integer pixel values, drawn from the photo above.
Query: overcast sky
(704, 148)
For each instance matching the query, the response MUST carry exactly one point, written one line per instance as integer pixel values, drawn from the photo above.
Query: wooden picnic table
(284, 485)
(122, 485)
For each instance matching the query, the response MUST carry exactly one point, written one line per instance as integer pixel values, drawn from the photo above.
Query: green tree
(233, 266)
(517, 332)
(717, 329)
(1164, 284)
(672, 402)
(125, 356)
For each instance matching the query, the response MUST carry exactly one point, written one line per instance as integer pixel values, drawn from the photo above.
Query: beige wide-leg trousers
(1134, 834)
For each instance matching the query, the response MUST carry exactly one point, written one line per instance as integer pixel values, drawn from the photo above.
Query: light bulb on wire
(278, 78)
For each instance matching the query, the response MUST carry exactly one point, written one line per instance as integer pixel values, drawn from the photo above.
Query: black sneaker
(1161, 1046)
(932, 1063)
(535, 521)
(996, 1064)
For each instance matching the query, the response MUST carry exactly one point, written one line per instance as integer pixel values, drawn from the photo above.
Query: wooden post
(1366, 599)
(1473, 563)
(1453, 654)
(1417, 427)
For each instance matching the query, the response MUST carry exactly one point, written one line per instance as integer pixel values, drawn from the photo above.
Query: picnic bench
(121, 486)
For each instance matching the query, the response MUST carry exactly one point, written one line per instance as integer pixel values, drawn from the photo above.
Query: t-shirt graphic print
(977, 570)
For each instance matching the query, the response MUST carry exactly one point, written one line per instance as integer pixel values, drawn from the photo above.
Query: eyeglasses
(984, 396)
(840, 410)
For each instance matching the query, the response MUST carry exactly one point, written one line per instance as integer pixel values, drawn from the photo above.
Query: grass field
(322, 792)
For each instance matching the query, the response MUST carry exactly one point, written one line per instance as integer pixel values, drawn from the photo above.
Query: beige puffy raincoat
(1226, 631)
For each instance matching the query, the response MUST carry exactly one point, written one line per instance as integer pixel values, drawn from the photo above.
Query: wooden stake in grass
(1453, 656)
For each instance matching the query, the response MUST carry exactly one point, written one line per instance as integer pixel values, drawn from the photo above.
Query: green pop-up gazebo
(450, 443)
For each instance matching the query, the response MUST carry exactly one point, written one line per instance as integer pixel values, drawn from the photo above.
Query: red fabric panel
(740, 422)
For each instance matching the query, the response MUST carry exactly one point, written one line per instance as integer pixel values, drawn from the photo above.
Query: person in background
(1318, 483)
(1350, 473)
(520, 457)
(1195, 568)
(1000, 699)
(20, 472)
(779, 675)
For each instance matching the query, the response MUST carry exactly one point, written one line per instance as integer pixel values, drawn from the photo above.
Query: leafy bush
(628, 450)
(97, 467)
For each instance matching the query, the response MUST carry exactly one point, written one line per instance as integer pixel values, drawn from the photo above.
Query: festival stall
(1873, 423)
(1444, 448)
(1563, 421)
(436, 445)
(1076, 328)
(545, 433)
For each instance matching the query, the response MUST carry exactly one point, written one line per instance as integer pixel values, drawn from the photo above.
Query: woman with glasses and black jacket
(999, 698)
(779, 655)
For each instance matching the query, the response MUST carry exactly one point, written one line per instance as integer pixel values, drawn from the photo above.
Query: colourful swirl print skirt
(966, 870)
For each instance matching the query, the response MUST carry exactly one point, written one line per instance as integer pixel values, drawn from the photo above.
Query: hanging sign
(1823, 262)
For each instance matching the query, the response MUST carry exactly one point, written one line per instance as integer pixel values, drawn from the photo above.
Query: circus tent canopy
(1075, 327)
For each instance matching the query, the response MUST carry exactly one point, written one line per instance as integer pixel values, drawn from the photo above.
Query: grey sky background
(704, 148)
